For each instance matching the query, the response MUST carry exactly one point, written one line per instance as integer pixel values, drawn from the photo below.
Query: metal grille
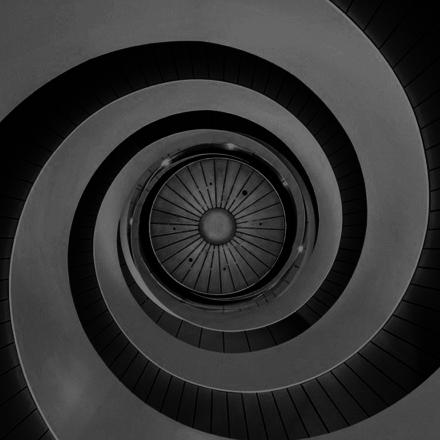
(217, 226)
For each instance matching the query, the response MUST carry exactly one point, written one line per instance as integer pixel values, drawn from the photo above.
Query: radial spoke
(189, 192)
(173, 224)
(255, 245)
(229, 268)
(254, 202)
(212, 249)
(219, 269)
(238, 266)
(188, 254)
(185, 200)
(258, 210)
(202, 266)
(233, 186)
(174, 214)
(176, 242)
(177, 252)
(224, 182)
(259, 219)
(205, 245)
(244, 259)
(206, 184)
(260, 229)
(198, 188)
(241, 189)
(177, 206)
(215, 182)
(174, 233)
(260, 237)
(253, 255)
(234, 211)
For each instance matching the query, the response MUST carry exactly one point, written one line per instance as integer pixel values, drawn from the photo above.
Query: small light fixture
(166, 162)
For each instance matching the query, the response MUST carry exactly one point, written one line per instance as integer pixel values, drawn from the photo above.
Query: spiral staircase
(219, 219)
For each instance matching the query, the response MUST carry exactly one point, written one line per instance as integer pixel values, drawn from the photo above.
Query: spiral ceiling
(219, 220)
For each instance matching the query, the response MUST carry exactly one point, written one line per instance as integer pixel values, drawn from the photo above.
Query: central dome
(217, 226)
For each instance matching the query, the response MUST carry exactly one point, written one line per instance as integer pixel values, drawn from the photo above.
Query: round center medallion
(217, 226)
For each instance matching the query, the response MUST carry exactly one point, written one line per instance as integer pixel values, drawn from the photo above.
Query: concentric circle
(217, 226)
(247, 315)
(312, 382)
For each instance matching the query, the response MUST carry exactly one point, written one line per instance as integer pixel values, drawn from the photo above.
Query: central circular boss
(217, 226)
